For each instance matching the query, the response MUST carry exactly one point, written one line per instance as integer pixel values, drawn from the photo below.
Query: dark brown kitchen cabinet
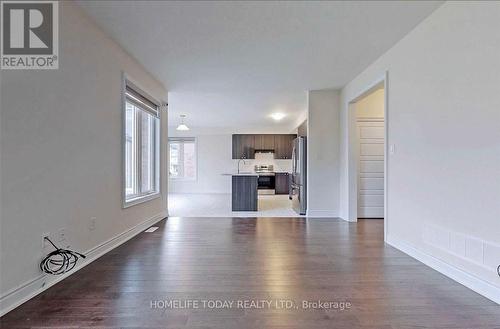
(243, 146)
(281, 183)
(283, 145)
(244, 193)
(264, 142)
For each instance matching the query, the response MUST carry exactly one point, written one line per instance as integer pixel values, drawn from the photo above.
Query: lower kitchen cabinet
(244, 193)
(282, 183)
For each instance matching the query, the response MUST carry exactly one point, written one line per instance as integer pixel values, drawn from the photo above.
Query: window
(141, 133)
(182, 156)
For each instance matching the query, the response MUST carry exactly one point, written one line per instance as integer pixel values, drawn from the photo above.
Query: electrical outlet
(61, 236)
(92, 223)
(45, 243)
(392, 149)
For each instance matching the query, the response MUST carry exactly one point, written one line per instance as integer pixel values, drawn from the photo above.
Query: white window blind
(141, 143)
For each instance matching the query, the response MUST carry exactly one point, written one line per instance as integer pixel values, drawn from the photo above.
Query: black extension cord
(60, 260)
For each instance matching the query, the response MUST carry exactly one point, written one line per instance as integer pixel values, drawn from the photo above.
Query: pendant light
(182, 126)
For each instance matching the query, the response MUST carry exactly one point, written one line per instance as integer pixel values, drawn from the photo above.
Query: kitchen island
(244, 196)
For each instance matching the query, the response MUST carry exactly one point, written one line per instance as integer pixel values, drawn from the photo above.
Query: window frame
(156, 192)
(183, 140)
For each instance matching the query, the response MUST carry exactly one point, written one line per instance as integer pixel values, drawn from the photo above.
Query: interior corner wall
(61, 153)
(302, 129)
(443, 120)
(323, 153)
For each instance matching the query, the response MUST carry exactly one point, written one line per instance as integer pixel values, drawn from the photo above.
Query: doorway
(367, 153)
(370, 138)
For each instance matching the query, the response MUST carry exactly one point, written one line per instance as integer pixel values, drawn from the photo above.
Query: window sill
(141, 199)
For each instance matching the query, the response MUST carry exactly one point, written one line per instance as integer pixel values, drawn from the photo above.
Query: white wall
(214, 157)
(61, 144)
(443, 118)
(323, 153)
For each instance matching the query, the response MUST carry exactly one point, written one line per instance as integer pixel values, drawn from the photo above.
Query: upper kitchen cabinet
(283, 146)
(264, 142)
(243, 146)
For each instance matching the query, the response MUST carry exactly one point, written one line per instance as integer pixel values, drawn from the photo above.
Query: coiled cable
(59, 261)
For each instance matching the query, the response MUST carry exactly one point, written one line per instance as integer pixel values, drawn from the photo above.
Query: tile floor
(219, 205)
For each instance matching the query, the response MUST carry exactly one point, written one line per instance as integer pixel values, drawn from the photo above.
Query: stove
(264, 170)
(266, 182)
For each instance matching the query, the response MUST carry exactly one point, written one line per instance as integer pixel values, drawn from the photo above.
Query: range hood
(264, 151)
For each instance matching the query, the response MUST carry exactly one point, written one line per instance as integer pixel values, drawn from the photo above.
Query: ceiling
(229, 63)
(237, 109)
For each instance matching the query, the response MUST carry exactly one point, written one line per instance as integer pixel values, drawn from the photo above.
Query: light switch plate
(92, 223)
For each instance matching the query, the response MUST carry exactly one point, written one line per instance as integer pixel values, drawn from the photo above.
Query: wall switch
(92, 223)
(392, 149)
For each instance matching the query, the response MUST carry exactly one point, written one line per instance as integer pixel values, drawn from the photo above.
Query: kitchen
(251, 187)
(212, 137)
(220, 172)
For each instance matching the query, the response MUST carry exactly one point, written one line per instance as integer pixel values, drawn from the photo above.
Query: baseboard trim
(470, 281)
(322, 213)
(347, 220)
(32, 288)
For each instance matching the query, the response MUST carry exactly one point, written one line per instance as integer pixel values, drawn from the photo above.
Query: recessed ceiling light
(278, 116)
(182, 126)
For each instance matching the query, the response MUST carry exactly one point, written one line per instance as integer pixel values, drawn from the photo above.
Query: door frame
(353, 149)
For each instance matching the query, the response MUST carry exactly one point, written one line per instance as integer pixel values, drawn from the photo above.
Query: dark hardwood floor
(237, 259)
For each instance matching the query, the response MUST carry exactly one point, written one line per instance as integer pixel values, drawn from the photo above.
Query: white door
(371, 168)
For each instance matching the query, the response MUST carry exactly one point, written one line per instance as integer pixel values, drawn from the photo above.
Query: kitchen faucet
(239, 164)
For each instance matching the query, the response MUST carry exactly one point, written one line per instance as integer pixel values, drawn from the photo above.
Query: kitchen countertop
(245, 173)
(240, 174)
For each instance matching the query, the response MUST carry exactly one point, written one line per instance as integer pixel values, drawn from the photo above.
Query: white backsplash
(265, 159)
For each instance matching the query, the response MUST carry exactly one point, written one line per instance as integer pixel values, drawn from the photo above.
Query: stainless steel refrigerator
(298, 184)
